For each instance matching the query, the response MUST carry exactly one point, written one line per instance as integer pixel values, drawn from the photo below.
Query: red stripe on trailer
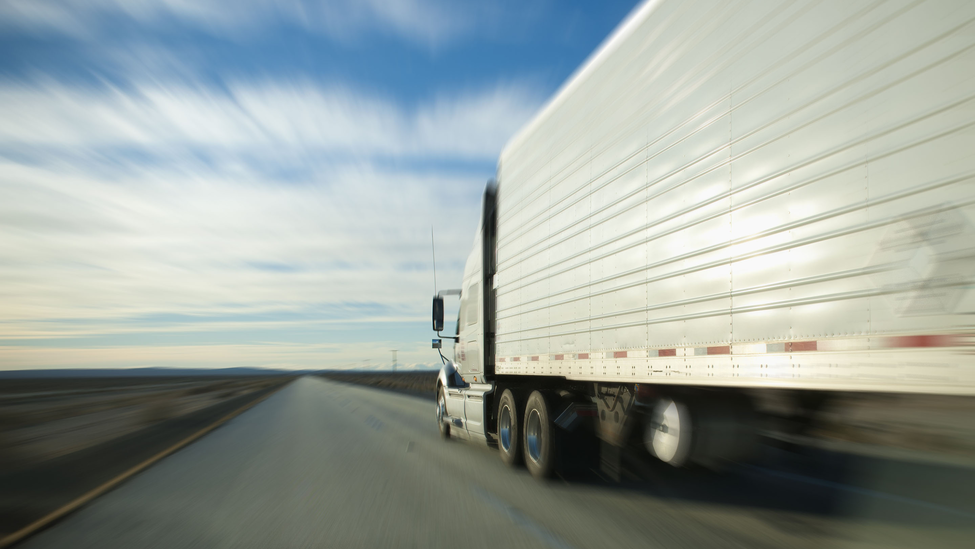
(891, 342)
(802, 346)
(900, 342)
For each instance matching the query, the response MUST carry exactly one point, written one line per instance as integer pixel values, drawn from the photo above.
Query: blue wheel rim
(504, 428)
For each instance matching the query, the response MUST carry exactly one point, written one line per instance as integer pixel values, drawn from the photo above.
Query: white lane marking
(862, 491)
(521, 520)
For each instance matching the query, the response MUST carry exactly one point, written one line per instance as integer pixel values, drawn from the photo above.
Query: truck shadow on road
(802, 481)
(790, 482)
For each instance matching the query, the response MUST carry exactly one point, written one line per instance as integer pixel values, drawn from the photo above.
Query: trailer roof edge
(609, 45)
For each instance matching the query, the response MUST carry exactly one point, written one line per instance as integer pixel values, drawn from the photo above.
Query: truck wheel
(442, 414)
(668, 434)
(539, 446)
(508, 441)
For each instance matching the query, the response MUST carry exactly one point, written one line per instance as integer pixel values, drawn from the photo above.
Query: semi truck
(726, 200)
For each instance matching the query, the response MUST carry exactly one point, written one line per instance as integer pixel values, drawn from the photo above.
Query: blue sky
(252, 183)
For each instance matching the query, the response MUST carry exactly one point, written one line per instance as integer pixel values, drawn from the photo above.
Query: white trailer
(726, 197)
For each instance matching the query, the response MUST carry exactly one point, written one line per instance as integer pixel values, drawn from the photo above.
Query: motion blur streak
(721, 292)
(138, 221)
(216, 184)
(305, 468)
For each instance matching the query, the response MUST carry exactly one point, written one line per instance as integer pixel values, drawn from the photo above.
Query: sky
(252, 183)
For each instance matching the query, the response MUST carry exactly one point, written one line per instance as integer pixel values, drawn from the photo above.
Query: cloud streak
(119, 204)
(160, 242)
(425, 21)
(248, 118)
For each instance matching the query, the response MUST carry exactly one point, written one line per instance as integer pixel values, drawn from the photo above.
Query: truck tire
(538, 433)
(442, 414)
(509, 442)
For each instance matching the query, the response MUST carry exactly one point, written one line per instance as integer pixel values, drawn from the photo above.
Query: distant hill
(145, 372)
(419, 371)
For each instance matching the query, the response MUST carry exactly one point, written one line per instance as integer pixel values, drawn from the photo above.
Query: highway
(323, 464)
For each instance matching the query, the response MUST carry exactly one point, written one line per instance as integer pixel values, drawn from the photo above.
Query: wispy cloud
(177, 242)
(255, 117)
(117, 251)
(217, 183)
(428, 21)
(118, 203)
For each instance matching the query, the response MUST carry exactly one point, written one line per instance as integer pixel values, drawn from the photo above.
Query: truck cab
(464, 387)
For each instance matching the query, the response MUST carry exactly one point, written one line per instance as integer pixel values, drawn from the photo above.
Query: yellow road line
(45, 521)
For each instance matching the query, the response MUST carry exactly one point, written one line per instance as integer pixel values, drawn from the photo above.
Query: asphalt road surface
(322, 464)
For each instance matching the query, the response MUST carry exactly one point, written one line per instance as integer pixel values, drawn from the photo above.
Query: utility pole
(394, 358)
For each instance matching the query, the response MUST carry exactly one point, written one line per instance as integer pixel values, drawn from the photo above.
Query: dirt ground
(60, 438)
(42, 419)
(424, 382)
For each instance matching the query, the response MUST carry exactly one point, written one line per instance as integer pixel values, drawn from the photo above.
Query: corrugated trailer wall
(751, 193)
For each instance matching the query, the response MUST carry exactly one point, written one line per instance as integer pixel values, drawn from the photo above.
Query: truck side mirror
(437, 344)
(437, 314)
